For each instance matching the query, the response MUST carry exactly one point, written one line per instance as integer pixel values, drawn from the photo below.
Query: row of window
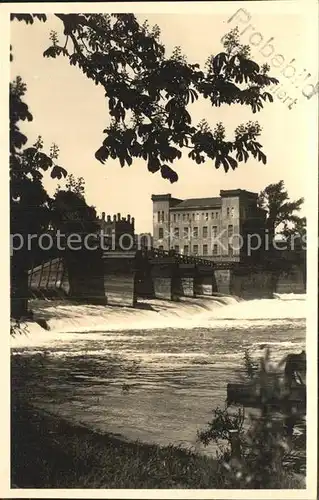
(195, 250)
(194, 233)
(186, 217)
(194, 216)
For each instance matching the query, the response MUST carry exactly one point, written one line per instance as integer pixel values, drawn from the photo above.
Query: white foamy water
(154, 373)
(212, 312)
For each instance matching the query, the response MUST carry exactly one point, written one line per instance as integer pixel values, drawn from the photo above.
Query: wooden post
(235, 443)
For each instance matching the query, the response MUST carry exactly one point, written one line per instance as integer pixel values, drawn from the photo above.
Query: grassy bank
(48, 452)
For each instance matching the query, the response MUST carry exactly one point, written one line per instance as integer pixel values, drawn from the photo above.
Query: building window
(230, 231)
(158, 216)
(176, 248)
(174, 217)
(212, 215)
(162, 216)
(197, 216)
(186, 249)
(186, 232)
(195, 249)
(232, 212)
(216, 215)
(230, 251)
(206, 216)
(184, 217)
(205, 249)
(228, 211)
(214, 228)
(160, 233)
(176, 232)
(205, 232)
(195, 232)
(215, 250)
(193, 216)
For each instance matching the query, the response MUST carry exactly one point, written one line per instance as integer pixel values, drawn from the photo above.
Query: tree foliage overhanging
(29, 199)
(149, 94)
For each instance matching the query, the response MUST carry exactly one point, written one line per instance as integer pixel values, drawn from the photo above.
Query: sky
(69, 110)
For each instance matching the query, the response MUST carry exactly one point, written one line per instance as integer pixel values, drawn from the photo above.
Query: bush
(256, 450)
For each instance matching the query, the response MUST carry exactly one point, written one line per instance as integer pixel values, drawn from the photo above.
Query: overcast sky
(70, 110)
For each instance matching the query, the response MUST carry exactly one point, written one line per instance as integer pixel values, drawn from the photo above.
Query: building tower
(162, 203)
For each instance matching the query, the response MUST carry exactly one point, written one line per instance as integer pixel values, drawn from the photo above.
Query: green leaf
(168, 173)
(58, 172)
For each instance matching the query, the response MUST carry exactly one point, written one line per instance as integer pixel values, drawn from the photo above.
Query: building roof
(193, 203)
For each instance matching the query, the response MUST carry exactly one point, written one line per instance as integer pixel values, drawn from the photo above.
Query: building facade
(221, 228)
(118, 231)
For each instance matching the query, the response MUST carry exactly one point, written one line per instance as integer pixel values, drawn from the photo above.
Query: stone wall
(293, 281)
(248, 283)
(252, 283)
(223, 281)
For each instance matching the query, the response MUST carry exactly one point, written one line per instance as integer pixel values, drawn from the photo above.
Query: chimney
(114, 218)
(128, 218)
(118, 216)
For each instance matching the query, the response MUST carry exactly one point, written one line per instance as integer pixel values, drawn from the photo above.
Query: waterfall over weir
(206, 312)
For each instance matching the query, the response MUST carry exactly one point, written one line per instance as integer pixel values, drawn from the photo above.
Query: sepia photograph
(162, 187)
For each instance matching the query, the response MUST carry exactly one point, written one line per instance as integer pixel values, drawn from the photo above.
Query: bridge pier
(187, 273)
(119, 271)
(166, 281)
(85, 273)
(223, 278)
(205, 282)
(144, 286)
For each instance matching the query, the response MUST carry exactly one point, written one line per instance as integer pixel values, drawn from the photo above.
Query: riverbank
(48, 452)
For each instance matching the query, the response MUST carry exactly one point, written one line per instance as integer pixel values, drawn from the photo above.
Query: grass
(48, 452)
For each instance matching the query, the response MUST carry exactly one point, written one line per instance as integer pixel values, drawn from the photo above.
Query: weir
(121, 277)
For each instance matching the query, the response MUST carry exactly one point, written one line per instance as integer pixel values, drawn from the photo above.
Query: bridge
(121, 277)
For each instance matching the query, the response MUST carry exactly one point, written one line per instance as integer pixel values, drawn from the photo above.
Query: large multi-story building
(213, 228)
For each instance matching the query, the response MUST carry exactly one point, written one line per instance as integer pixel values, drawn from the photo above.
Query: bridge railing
(158, 253)
(155, 253)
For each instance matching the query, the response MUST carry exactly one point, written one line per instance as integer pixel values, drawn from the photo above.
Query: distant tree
(74, 185)
(149, 94)
(281, 211)
(298, 232)
(71, 214)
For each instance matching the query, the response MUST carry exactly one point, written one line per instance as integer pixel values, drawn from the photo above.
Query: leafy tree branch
(149, 94)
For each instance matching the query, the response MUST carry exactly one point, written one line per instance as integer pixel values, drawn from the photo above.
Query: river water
(156, 373)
